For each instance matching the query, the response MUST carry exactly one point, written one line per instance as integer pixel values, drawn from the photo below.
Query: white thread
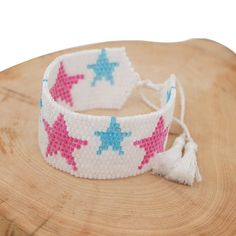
(171, 164)
(158, 88)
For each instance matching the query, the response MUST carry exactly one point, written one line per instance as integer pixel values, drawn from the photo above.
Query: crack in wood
(42, 224)
(7, 137)
(10, 93)
(12, 228)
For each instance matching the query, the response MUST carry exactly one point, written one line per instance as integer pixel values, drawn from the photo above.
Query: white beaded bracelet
(107, 147)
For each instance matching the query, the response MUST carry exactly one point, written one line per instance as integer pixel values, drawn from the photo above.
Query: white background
(32, 28)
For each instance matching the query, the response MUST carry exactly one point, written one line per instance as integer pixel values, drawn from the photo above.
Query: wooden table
(36, 199)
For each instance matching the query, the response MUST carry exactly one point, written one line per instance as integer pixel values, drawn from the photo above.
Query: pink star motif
(63, 85)
(60, 141)
(154, 143)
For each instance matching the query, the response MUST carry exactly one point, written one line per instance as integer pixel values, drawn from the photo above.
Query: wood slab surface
(36, 199)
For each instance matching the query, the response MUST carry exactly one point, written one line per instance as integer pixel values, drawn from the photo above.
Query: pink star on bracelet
(60, 141)
(63, 85)
(154, 143)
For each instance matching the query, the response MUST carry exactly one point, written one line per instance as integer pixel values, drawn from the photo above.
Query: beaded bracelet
(108, 147)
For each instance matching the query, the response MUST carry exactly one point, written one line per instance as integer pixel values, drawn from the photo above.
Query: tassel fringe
(172, 164)
(175, 167)
(165, 161)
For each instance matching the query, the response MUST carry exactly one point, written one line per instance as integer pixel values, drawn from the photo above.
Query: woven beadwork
(60, 141)
(63, 85)
(113, 137)
(154, 143)
(103, 68)
(100, 147)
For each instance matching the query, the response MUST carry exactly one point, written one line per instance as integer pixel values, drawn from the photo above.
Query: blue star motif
(103, 68)
(41, 100)
(41, 103)
(41, 106)
(112, 137)
(168, 94)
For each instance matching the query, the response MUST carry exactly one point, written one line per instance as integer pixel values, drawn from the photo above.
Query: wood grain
(36, 199)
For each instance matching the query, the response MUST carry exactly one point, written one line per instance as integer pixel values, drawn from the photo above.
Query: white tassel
(186, 170)
(171, 164)
(164, 162)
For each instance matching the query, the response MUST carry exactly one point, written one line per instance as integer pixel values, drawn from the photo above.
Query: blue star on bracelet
(103, 68)
(112, 137)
